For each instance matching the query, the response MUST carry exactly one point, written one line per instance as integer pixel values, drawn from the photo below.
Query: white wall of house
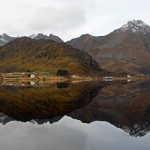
(32, 76)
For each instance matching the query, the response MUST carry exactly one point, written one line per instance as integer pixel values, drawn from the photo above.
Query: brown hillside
(126, 50)
(25, 54)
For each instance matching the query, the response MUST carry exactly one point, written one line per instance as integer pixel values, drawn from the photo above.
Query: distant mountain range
(4, 38)
(124, 51)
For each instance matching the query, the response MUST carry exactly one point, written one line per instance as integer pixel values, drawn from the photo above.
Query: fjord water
(71, 116)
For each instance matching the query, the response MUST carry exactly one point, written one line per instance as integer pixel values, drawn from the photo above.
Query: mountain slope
(126, 50)
(25, 54)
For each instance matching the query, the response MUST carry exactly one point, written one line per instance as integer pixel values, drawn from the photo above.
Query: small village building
(128, 76)
(129, 80)
(73, 76)
(32, 76)
(32, 83)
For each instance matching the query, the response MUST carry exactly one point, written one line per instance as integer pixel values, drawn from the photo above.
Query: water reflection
(125, 105)
(40, 102)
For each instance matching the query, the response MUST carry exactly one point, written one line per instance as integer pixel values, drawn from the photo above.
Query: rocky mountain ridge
(4, 38)
(41, 36)
(136, 26)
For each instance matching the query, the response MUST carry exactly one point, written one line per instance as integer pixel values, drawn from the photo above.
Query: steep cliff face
(126, 50)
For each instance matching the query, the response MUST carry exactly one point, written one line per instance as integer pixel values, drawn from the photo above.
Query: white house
(73, 76)
(32, 83)
(32, 76)
(128, 76)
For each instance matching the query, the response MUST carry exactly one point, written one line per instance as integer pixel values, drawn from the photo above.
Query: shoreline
(79, 78)
(45, 77)
(48, 82)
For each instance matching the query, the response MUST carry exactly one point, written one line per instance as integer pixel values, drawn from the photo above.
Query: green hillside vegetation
(25, 54)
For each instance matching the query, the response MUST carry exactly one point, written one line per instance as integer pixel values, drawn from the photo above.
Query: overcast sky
(69, 18)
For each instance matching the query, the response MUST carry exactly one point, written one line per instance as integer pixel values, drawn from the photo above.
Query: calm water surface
(79, 116)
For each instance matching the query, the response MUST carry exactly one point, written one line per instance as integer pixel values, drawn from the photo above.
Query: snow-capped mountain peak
(4, 38)
(32, 36)
(46, 37)
(38, 36)
(136, 26)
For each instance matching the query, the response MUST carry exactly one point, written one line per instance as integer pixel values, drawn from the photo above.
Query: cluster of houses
(33, 75)
(23, 75)
(111, 78)
(37, 76)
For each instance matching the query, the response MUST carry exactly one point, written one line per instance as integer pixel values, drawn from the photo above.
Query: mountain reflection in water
(125, 105)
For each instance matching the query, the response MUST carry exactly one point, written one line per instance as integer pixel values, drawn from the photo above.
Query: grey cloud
(57, 19)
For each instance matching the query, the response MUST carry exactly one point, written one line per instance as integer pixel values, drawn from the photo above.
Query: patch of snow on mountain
(32, 36)
(136, 26)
